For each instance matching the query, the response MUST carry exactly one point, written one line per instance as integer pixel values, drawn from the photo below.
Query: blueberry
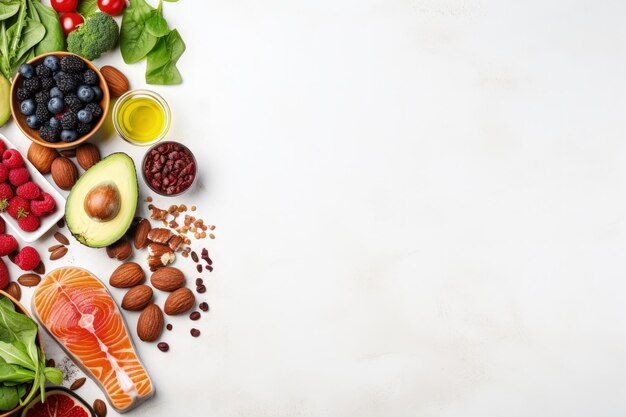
(55, 92)
(51, 62)
(27, 70)
(33, 122)
(28, 107)
(54, 122)
(69, 135)
(97, 92)
(57, 74)
(85, 93)
(84, 116)
(55, 105)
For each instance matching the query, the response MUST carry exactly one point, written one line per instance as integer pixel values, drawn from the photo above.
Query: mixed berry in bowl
(169, 168)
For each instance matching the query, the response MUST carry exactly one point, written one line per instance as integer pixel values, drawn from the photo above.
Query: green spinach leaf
(16, 326)
(135, 40)
(161, 68)
(54, 39)
(8, 8)
(8, 398)
(15, 353)
(32, 33)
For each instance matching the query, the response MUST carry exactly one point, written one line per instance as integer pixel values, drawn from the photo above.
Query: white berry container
(46, 221)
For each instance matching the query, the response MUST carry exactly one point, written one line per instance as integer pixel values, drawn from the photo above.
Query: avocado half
(5, 100)
(115, 172)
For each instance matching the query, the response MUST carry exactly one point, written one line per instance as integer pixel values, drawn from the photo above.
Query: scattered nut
(150, 323)
(179, 302)
(60, 237)
(137, 298)
(41, 157)
(167, 279)
(159, 235)
(141, 234)
(29, 280)
(100, 408)
(77, 384)
(87, 155)
(64, 173)
(58, 253)
(117, 82)
(127, 275)
(14, 290)
(120, 250)
(159, 256)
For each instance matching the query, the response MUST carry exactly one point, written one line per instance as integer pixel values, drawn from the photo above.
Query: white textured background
(420, 209)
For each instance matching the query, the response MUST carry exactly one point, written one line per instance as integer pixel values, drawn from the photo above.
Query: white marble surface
(419, 205)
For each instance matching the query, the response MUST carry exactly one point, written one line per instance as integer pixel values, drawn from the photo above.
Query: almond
(159, 256)
(100, 408)
(127, 275)
(120, 250)
(167, 279)
(150, 323)
(40, 269)
(141, 234)
(58, 253)
(60, 237)
(77, 384)
(179, 302)
(64, 173)
(137, 298)
(70, 153)
(41, 157)
(14, 290)
(87, 155)
(29, 280)
(160, 235)
(117, 82)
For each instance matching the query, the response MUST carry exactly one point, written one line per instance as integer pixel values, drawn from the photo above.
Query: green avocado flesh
(118, 171)
(5, 100)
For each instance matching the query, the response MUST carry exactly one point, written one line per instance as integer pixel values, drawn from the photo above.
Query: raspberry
(43, 205)
(4, 173)
(18, 176)
(29, 223)
(29, 191)
(6, 192)
(28, 258)
(12, 158)
(4, 275)
(3, 225)
(18, 207)
(7, 244)
(3, 146)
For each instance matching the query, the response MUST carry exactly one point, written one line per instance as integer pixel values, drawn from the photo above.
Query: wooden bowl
(19, 307)
(33, 134)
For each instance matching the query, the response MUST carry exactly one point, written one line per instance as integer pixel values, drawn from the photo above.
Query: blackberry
(23, 94)
(42, 112)
(32, 85)
(42, 71)
(42, 97)
(49, 133)
(79, 78)
(73, 102)
(95, 110)
(72, 64)
(47, 83)
(83, 128)
(66, 83)
(90, 77)
(69, 121)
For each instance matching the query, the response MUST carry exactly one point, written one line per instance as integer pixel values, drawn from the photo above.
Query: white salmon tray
(48, 220)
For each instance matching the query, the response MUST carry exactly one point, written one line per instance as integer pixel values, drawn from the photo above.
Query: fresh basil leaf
(135, 40)
(8, 398)
(161, 67)
(8, 8)
(156, 25)
(87, 8)
(54, 39)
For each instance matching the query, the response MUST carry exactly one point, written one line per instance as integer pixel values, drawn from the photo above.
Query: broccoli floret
(94, 37)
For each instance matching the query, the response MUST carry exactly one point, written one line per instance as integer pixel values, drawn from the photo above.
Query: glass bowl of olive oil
(141, 117)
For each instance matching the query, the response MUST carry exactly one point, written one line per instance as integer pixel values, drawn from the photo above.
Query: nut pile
(63, 170)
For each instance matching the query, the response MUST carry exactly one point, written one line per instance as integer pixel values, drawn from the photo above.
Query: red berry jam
(169, 168)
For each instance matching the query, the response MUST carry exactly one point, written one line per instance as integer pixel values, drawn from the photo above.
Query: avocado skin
(78, 236)
(5, 100)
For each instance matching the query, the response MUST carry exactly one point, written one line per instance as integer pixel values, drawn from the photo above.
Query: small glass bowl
(133, 94)
(147, 181)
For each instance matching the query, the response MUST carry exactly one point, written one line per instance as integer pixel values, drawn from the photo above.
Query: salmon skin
(79, 313)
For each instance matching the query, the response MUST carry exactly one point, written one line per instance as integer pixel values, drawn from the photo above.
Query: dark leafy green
(21, 362)
(8, 8)
(54, 40)
(87, 8)
(161, 67)
(145, 33)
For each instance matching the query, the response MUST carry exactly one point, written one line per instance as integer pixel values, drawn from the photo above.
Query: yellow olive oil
(141, 119)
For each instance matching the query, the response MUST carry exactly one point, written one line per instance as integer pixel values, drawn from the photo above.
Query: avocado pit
(103, 202)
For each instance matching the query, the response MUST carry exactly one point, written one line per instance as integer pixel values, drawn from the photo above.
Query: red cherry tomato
(70, 21)
(112, 7)
(63, 5)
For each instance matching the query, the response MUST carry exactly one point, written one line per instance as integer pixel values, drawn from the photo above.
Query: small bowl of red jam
(169, 168)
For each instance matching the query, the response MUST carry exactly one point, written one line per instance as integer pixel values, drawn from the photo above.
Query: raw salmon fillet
(78, 311)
